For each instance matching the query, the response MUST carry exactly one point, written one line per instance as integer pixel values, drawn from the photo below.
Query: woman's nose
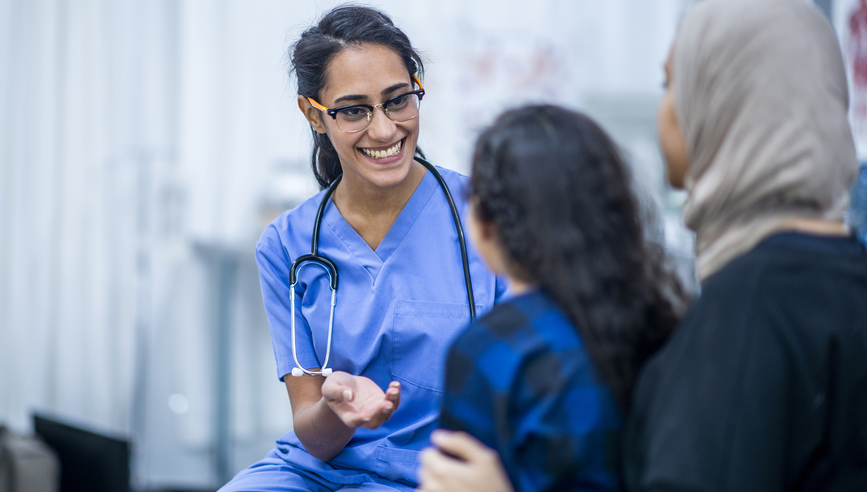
(381, 127)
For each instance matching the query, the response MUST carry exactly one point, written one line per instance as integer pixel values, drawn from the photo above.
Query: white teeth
(379, 154)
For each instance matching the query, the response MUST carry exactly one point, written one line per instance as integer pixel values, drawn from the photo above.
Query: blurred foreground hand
(458, 462)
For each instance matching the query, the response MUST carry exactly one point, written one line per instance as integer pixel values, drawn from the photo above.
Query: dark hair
(347, 25)
(559, 195)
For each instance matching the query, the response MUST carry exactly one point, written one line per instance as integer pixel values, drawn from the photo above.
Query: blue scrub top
(398, 310)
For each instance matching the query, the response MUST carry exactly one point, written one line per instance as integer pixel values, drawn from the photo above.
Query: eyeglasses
(356, 117)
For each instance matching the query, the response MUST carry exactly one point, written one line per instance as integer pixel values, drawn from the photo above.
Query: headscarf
(760, 95)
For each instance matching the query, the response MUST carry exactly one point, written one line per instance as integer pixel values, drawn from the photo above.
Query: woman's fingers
(358, 401)
(435, 470)
(479, 468)
(385, 408)
(435, 463)
(393, 393)
(460, 445)
(392, 398)
(379, 415)
(337, 392)
(339, 386)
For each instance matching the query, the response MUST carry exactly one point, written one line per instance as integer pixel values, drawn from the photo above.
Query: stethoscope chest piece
(314, 258)
(296, 267)
(298, 372)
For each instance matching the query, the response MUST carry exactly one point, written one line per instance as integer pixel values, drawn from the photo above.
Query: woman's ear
(313, 115)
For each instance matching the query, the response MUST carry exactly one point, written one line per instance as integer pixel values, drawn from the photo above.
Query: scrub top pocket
(421, 336)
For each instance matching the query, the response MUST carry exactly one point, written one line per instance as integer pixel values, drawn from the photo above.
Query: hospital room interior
(146, 145)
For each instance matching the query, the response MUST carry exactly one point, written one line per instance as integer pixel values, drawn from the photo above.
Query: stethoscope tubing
(462, 241)
(331, 269)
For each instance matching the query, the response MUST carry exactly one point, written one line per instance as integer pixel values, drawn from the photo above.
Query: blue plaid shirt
(521, 381)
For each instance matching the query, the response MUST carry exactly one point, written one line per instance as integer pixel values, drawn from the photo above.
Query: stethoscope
(314, 258)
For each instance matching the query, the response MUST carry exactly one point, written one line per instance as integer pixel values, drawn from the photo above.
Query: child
(545, 378)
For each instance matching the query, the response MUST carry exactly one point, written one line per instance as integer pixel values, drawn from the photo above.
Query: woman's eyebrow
(361, 97)
(351, 97)
(394, 88)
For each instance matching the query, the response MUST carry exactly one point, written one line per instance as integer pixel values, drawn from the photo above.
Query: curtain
(135, 139)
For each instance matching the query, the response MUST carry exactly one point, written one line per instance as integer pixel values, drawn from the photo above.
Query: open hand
(358, 401)
(459, 462)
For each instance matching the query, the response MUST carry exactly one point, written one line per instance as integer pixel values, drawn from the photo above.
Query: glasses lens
(402, 108)
(356, 118)
(353, 118)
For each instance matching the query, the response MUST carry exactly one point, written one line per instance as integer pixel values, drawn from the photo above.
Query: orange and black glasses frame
(334, 112)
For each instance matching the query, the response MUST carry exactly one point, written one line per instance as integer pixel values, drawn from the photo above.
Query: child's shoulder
(518, 340)
(524, 324)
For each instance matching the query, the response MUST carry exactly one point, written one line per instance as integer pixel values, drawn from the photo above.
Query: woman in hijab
(763, 386)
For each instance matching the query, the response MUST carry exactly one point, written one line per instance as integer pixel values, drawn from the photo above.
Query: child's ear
(487, 229)
(313, 115)
(484, 237)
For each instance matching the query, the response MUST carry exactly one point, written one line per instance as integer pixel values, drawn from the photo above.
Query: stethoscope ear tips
(298, 372)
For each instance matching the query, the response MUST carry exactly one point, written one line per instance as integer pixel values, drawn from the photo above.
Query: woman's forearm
(321, 431)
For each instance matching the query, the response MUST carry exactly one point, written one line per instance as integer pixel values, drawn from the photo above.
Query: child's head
(551, 187)
(553, 204)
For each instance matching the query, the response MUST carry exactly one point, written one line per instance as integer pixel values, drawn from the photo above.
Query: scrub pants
(273, 474)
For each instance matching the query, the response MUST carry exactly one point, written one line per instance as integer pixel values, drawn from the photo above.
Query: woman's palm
(358, 401)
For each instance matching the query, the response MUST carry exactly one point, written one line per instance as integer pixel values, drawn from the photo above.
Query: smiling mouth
(381, 154)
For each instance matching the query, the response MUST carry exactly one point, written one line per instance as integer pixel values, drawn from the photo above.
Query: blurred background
(144, 146)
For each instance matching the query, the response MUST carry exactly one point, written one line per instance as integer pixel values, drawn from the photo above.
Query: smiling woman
(375, 150)
(387, 227)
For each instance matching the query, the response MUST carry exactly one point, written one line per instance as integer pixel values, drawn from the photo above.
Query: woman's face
(670, 136)
(367, 74)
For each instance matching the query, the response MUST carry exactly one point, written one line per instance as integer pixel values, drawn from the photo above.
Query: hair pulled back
(559, 195)
(341, 27)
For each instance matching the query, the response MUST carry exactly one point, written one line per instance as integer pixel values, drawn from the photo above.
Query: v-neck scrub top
(397, 310)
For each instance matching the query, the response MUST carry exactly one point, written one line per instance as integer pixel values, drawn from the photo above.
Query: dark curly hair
(339, 28)
(559, 195)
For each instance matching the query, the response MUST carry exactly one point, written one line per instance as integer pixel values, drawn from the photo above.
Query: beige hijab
(760, 94)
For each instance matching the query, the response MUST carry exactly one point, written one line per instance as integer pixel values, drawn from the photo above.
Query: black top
(763, 387)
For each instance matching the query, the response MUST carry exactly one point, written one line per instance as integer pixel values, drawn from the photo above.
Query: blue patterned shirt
(521, 381)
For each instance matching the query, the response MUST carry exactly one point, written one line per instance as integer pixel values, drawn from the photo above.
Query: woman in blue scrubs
(401, 298)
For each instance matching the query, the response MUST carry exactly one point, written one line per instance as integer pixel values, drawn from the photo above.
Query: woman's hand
(459, 462)
(358, 401)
